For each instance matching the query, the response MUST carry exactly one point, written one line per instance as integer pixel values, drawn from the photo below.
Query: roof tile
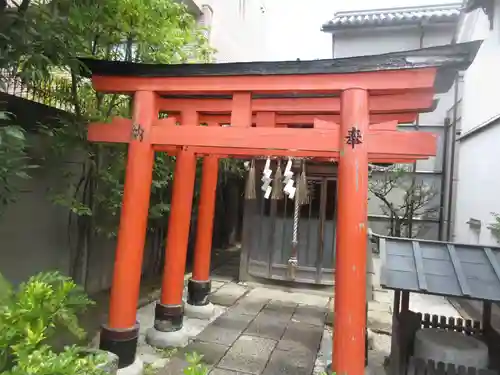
(383, 17)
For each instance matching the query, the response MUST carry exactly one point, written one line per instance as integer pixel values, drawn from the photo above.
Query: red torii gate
(363, 85)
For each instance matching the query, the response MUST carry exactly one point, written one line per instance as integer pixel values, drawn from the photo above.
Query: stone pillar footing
(205, 312)
(168, 331)
(122, 342)
(168, 318)
(172, 339)
(198, 292)
(136, 368)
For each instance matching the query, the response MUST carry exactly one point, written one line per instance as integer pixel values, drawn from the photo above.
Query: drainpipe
(452, 157)
(444, 173)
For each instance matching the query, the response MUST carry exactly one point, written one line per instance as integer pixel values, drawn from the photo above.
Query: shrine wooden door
(268, 237)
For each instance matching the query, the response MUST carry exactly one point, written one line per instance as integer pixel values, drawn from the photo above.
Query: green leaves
(159, 31)
(30, 315)
(195, 366)
(44, 361)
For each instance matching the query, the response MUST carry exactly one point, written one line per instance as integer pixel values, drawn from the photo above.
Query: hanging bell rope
(277, 193)
(301, 198)
(250, 185)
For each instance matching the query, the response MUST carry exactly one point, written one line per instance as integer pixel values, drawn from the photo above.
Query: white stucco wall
(478, 185)
(483, 75)
(269, 30)
(237, 29)
(374, 41)
(478, 178)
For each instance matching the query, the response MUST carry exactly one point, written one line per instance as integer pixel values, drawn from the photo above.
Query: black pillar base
(168, 318)
(198, 292)
(122, 342)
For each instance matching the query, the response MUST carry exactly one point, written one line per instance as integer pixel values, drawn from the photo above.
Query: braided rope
(296, 212)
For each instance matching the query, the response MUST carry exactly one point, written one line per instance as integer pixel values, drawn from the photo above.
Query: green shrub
(195, 366)
(30, 315)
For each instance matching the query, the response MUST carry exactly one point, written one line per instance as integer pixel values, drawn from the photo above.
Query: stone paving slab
(281, 306)
(228, 294)
(212, 353)
(285, 296)
(226, 329)
(248, 306)
(301, 336)
(267, 326)
(282, 310)
(310, 315)
(284, 362)
(249, 354)
(227, 273)
(216, 285)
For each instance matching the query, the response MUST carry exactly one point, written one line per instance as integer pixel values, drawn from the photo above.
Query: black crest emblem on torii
(354, 137)
(137, 132)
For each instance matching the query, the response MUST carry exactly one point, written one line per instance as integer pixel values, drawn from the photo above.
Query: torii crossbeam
(385, 143)
(364, 98)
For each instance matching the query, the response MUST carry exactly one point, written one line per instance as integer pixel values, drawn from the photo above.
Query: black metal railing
(53, 92)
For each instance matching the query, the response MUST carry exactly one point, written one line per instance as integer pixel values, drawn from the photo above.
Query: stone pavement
(273, 330)
(258, 336)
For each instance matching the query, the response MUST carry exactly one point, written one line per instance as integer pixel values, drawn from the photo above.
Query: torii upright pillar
(199, 286)
(121, 332)
(169, 311)
(350, 268)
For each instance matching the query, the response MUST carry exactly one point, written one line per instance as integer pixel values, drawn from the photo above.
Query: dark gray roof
(394, 16)
(442, 268)
(447, 59)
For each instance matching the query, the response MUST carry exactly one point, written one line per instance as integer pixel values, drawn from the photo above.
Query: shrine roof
(448, 59)
(440, 268)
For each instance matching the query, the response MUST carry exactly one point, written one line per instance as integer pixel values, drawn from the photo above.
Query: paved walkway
(258, 336)
(270, 330)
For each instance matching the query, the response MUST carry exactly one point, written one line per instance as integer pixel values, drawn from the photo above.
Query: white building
(248, 30)
(266, 30)
(478, 179)
(370, 32)
(237, 28)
